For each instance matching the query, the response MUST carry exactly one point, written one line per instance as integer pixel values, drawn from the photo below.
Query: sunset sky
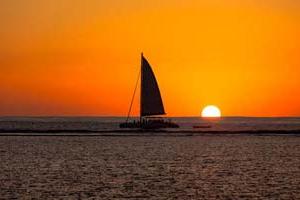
(74, 57)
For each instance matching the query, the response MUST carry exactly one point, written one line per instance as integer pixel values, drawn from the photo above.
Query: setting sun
(211, 111)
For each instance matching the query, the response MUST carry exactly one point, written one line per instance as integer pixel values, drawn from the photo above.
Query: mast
(141, 88)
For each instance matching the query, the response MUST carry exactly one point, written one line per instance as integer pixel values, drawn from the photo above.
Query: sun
(211, 111)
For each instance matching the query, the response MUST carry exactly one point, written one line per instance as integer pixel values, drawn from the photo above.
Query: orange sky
(74, 57)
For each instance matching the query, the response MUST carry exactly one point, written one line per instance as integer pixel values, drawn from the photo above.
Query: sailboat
(151, 104)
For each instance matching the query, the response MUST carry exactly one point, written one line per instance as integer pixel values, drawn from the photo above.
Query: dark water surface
(199, 167)
(112, 123)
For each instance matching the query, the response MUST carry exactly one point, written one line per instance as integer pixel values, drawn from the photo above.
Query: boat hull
(150, 124)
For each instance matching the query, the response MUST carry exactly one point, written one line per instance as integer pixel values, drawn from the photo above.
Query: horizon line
(124, 116)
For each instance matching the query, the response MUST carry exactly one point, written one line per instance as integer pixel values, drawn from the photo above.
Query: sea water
(215, 166)
(198, 167)
(112, 123)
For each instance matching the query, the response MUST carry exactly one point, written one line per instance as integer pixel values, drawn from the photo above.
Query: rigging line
(128, 115)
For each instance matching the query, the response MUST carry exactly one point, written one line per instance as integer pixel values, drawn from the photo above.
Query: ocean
(112, 123)
(201, 166)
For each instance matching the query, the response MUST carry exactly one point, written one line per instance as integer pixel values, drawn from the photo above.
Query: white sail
(151, 101)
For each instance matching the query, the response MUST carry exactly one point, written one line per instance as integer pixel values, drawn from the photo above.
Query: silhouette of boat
(202, 126)
(151, 104)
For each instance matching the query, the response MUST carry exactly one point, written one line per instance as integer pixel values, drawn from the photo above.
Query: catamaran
(151, 104)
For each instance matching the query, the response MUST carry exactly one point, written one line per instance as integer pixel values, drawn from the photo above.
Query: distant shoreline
(122, 117)
(141, 132)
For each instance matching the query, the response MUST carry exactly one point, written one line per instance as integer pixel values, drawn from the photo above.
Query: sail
(151, 102)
